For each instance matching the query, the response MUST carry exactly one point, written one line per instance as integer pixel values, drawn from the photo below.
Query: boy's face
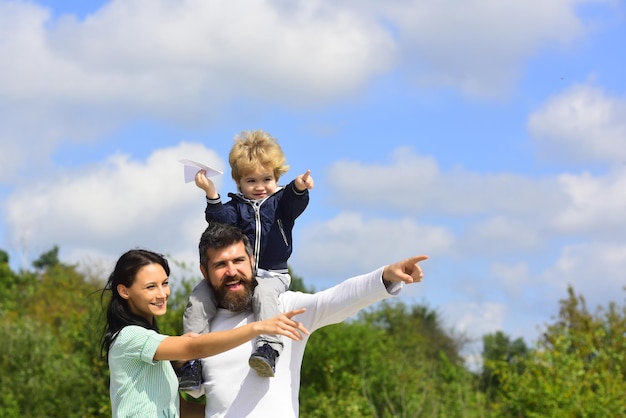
(258, 184)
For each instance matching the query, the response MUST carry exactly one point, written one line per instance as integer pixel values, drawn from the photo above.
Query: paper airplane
(192, 167)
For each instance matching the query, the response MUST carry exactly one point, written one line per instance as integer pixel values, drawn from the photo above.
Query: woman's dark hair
(118, 313)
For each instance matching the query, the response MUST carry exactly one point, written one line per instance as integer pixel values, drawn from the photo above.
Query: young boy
(266, 213)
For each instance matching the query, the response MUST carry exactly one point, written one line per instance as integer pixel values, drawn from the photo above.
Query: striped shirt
(141, 386)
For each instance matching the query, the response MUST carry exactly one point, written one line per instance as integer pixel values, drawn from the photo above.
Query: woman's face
(147, 296)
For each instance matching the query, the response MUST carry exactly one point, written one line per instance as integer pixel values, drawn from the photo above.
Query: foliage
(577, 370)
(15, 288)
(40, 378)
(48, 259)
(498, 347)
(391, 361)
(50, 363)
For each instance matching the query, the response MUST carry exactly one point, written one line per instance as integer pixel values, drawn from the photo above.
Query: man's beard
(236, 301)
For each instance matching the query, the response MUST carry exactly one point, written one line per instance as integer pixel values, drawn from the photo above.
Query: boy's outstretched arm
(203, 182)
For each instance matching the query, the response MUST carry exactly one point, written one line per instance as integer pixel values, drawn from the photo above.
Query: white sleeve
(340, 302)
(200, 309)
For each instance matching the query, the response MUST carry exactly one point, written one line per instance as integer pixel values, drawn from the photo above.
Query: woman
(143, 382)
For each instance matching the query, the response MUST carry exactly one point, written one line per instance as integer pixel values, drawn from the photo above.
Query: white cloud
(597, 205)
(66, 79)
(594, 269)
(512, 278)
(351, 244)
(114, 206)
(527, 292)
(475, 319)
(97, 212)
(146, 54)
(477, 46)
(11, 158)
(496, 213)
(511, 224)
(184, 62)
(582, 124)
(500, 235)
(414, 184)
(472, 320)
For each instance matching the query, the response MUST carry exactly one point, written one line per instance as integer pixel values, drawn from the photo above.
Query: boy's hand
(304, 181)
(203, 182)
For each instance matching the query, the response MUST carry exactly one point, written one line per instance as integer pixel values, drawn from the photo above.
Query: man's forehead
(235, 250)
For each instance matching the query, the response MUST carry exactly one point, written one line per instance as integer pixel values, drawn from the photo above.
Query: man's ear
(123, 291)
(204, 273)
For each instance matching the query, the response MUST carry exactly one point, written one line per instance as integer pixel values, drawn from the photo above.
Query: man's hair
(219, 235)
(253, 149)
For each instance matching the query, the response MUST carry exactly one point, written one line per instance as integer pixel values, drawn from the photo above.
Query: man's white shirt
(232, 389)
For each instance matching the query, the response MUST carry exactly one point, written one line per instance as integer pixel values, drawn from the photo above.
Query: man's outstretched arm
(346, 299)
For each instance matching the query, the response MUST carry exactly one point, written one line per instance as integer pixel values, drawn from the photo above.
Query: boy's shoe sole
(261, 366)
(184, 388)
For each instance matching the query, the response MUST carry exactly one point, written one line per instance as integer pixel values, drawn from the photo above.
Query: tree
(4, 257)
(391, 362)
(426, 325)
(15, 287)
(577, 370)
(498, 347)
(47, 259)
(49, 347)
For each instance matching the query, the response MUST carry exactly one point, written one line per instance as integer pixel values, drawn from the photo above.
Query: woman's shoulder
(137, 341)
(134, 331)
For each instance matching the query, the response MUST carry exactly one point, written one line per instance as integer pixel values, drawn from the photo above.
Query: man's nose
(230, 269)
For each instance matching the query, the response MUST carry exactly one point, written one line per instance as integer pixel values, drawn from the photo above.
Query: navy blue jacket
(267, 222)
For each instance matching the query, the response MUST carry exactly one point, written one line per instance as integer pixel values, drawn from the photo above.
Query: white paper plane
(192, 167)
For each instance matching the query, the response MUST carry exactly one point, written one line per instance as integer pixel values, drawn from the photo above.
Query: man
(232, 389)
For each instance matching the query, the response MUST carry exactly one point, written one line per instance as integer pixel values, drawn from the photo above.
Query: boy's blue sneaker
(263, 360)
(190, 375)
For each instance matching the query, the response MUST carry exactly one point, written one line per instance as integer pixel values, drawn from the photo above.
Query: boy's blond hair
(253, 149)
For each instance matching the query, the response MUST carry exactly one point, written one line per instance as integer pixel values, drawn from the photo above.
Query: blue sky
(490, 136)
